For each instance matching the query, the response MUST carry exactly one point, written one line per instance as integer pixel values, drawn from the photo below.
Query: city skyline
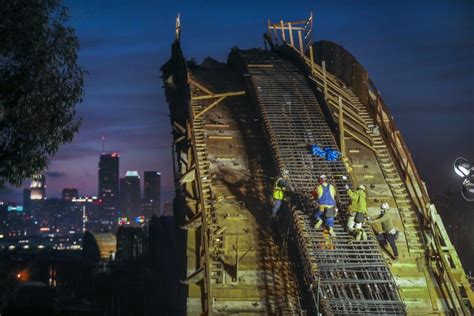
(125, 104)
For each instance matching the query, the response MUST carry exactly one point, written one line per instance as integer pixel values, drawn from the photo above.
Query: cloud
(55, 174)
(76, 151)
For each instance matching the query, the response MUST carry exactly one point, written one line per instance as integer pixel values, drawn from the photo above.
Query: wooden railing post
(311, 57)
(283, 36)
(300, 39)
(341, 128)
(290, 30)
(325, 84)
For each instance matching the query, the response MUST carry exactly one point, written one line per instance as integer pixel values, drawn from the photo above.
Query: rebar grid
(346, 277)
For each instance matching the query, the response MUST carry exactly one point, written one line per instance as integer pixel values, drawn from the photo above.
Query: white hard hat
(361, 187)
(323, 177)
(285, 172)
(385, 206)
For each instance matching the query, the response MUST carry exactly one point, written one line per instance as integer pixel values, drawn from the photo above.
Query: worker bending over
(358, 211)
(326, 196)
(385, 230)
(281, 186)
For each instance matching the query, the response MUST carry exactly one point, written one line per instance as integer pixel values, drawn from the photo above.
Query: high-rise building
(38, 188)
(130, 194)
(109, 183)
(37, 196)
(69, 194)
(152, 193)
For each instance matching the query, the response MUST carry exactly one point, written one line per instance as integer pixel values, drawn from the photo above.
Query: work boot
(358, 235)
(318, 224)
(331, 232)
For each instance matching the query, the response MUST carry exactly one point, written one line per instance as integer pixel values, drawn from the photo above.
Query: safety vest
(278, 191)
(358, 201)
(326, 198)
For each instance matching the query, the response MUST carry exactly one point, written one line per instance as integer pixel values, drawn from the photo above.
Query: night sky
(420, 56)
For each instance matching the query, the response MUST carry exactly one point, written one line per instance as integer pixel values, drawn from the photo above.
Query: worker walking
(326, 196)
(385, 230)
(281, 186)
(358, 211)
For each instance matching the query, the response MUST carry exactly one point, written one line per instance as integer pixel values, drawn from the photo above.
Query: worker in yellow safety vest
(279, 189)
(358, 211)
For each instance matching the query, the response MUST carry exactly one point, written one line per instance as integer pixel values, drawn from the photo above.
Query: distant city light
(83, 199)
(123, 221)
(140, 219)
(132, 174)
(17, 208)
(44, 229)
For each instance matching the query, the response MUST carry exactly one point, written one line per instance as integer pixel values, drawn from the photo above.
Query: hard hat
(361, 187)
(323, 177)
(385, 206)
(285, 172)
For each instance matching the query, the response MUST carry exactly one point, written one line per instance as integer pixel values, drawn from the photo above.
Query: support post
(290, 30)
(237, 259)
(325, 83)
(341, 128)
(300, 39)
(269, 30)
(283, 36)
(311, 57)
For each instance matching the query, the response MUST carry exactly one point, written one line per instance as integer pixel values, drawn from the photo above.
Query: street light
(465, 170)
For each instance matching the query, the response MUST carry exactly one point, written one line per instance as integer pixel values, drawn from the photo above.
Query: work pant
(320, 215)
(276, 206)
(390, 238)
(350, 223)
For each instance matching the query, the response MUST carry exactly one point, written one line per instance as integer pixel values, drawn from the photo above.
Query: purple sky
(420, 55)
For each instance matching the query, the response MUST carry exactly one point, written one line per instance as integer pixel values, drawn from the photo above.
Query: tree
(90, 248)
(40, 85)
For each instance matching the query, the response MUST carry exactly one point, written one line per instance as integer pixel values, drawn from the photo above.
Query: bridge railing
(403, 157)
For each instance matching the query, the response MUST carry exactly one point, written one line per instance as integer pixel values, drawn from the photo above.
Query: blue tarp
(327, 153)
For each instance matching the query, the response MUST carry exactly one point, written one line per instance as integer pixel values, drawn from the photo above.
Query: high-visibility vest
(358, 201)
(278, 191)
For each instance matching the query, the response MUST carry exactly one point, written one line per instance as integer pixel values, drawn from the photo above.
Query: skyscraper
(130, 194)
(109, 182)
(38, 188)
(37, 196)
(152, 193)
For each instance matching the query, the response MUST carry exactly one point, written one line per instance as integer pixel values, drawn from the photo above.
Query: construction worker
(281, 185)
(385, 230)
(358, 210)
(326, 196)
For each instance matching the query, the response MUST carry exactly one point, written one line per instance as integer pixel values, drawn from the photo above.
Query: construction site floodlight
(464, 169)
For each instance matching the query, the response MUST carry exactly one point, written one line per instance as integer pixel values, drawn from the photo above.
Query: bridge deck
(352, 277)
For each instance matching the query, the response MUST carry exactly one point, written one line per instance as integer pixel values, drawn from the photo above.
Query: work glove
(346, 187)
